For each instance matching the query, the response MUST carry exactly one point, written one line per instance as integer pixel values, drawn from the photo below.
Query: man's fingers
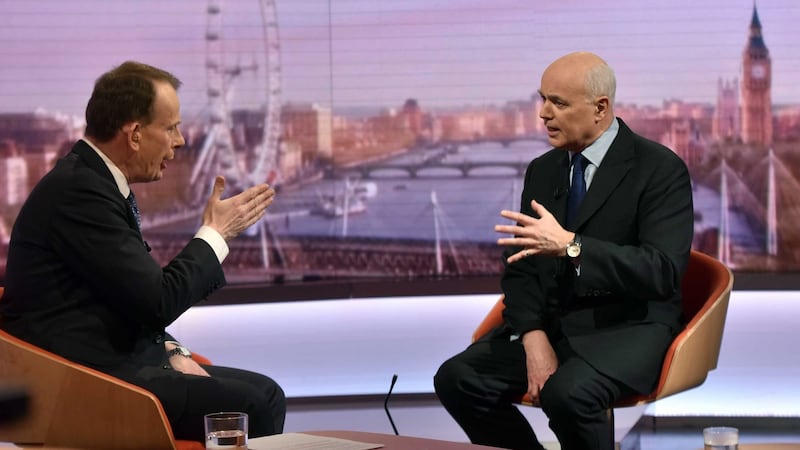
(540, 210)
(507, 229)
(533, 392)
(259, 194)
(513, 215)
(517, 217)
(219, 186)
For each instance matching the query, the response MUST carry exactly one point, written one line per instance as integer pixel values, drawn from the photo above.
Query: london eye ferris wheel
(242, 131)
(242, 55)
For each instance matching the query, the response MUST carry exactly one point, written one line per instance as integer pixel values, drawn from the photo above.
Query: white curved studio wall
(352, 347)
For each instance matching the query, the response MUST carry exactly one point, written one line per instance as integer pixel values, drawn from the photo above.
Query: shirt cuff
(215, 240)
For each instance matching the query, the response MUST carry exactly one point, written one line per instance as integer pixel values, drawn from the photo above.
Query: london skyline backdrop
(347, 54)
(377, 54)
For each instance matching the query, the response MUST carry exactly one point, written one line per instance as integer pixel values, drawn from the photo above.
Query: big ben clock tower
(756, 88)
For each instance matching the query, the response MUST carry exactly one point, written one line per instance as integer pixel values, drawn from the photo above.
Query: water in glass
(227, 440)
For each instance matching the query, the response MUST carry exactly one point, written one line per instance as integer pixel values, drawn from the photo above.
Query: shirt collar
(119, 177)
(598, 149)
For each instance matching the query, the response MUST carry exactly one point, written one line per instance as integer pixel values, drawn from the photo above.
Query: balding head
(577, 99)
(598, 77)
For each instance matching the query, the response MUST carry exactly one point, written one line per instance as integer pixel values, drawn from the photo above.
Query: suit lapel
(615, 166)
(550, 186)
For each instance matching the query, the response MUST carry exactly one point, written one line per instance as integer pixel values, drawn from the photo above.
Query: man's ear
(601, 108)
(132, 133)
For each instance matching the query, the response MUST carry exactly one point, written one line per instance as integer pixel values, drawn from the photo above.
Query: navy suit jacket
(80, 281)
(636, 223)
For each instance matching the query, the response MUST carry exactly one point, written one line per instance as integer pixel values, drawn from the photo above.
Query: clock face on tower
(758, 71)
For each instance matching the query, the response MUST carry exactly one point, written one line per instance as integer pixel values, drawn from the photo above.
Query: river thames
(466, 208)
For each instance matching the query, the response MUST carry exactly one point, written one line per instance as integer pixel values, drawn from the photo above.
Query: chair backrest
(493, 319)
(79, 407)
(706, 291)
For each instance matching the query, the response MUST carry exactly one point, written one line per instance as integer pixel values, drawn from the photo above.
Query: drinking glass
(721, 438)
(226, 430)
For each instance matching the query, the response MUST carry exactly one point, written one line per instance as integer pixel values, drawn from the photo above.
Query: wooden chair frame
(79, 407)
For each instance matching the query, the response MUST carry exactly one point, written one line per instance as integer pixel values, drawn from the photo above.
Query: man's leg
(230, 389)
(576, 399)
(477, 388)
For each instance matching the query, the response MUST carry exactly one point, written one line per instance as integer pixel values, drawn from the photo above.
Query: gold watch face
(573, 250)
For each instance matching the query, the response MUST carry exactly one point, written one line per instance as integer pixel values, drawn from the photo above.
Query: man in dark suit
(592, 279)
(81, 283)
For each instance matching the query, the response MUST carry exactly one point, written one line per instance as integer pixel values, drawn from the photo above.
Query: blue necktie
(577, 189)
(135, 209)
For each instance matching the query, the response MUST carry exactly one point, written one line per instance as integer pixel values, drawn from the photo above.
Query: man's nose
(545, 112)
(180, 141)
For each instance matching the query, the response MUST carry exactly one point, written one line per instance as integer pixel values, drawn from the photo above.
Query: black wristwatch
(179, 350)
(574, 248)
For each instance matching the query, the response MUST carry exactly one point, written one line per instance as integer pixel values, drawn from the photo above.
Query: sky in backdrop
(367, 53)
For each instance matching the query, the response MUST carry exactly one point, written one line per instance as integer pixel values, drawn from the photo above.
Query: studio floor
(423, 416)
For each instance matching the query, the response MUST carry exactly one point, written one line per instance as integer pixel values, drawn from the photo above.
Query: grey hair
(600, 81)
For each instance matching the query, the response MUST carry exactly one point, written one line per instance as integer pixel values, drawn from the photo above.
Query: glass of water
(226, 430)
(721, 438)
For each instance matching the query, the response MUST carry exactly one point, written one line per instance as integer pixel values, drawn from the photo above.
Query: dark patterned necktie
(135, 209)
(577, 189)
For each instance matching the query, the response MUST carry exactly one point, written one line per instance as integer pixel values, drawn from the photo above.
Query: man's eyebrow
(552, 97)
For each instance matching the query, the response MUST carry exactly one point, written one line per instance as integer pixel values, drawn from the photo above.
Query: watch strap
(575, 250)
(179, 350)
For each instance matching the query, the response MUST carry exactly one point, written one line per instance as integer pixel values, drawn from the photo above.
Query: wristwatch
(574, 248)
(179, 350)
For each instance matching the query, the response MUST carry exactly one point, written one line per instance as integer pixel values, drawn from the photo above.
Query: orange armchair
(79, 407)
(706, 290)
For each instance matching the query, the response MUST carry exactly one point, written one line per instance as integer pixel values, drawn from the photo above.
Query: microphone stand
(386, 404)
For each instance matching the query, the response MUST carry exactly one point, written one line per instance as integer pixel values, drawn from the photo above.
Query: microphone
(559, 192)
(386, 404)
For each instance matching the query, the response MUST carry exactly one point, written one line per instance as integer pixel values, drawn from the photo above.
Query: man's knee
(278, 405)
(447, 380)
(566, 400)
(554, 398)
(269, 410)
(273, 392)
(442, 379)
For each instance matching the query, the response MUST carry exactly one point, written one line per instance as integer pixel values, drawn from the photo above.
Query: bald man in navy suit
(593, 299)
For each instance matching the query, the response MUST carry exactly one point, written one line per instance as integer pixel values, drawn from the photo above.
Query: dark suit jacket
(636, 223)
(79, 280)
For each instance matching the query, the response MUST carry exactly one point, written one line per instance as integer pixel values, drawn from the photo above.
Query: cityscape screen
(395, 131)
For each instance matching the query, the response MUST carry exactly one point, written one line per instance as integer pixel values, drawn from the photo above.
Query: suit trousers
(187, 398)
(478, 388)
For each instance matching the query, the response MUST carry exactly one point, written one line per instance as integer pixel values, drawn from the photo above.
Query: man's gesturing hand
(535, 236)
(233, 215)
